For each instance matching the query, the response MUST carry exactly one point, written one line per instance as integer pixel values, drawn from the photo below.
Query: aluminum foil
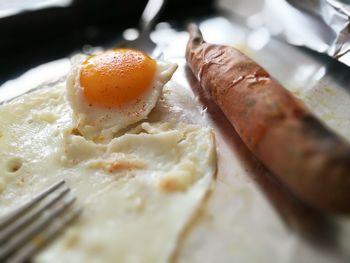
(321, 25)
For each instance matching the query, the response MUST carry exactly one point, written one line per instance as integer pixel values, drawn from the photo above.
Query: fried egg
(139, 190)
(113, 89)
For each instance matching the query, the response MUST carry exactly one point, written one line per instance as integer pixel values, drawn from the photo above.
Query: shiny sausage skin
(311, 160)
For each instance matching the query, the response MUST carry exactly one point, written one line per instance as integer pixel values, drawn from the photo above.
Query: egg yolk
(115, 78)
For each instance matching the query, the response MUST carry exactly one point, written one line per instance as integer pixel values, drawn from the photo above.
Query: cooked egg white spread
(138, 188)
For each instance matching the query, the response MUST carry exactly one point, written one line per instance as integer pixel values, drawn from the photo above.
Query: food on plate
(301, 151)
(113, 89)
(139, 182)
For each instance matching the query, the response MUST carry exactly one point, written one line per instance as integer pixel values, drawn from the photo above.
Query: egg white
(138, 191)
(97, 122)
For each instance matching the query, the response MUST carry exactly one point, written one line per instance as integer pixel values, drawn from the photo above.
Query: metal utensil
(148, 18)
(31, 226)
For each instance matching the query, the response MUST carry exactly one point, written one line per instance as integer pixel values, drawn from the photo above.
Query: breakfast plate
(244, 215)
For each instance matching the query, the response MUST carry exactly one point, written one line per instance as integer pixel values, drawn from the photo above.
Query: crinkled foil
(321, 25)
(336, 16)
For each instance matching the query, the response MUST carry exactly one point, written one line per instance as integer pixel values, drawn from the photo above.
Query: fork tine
(31, 248)
(25, 207)
(35, 228)
(25, 219)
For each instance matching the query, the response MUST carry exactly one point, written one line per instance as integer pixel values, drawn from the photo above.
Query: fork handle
(149, 15)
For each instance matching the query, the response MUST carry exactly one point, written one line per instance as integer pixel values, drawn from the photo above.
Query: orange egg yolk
(115, 78)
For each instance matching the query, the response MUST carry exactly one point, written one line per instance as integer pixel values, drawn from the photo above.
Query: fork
(31, 226)
(148, 18)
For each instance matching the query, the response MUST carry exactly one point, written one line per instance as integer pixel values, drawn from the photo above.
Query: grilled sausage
(310, 159)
